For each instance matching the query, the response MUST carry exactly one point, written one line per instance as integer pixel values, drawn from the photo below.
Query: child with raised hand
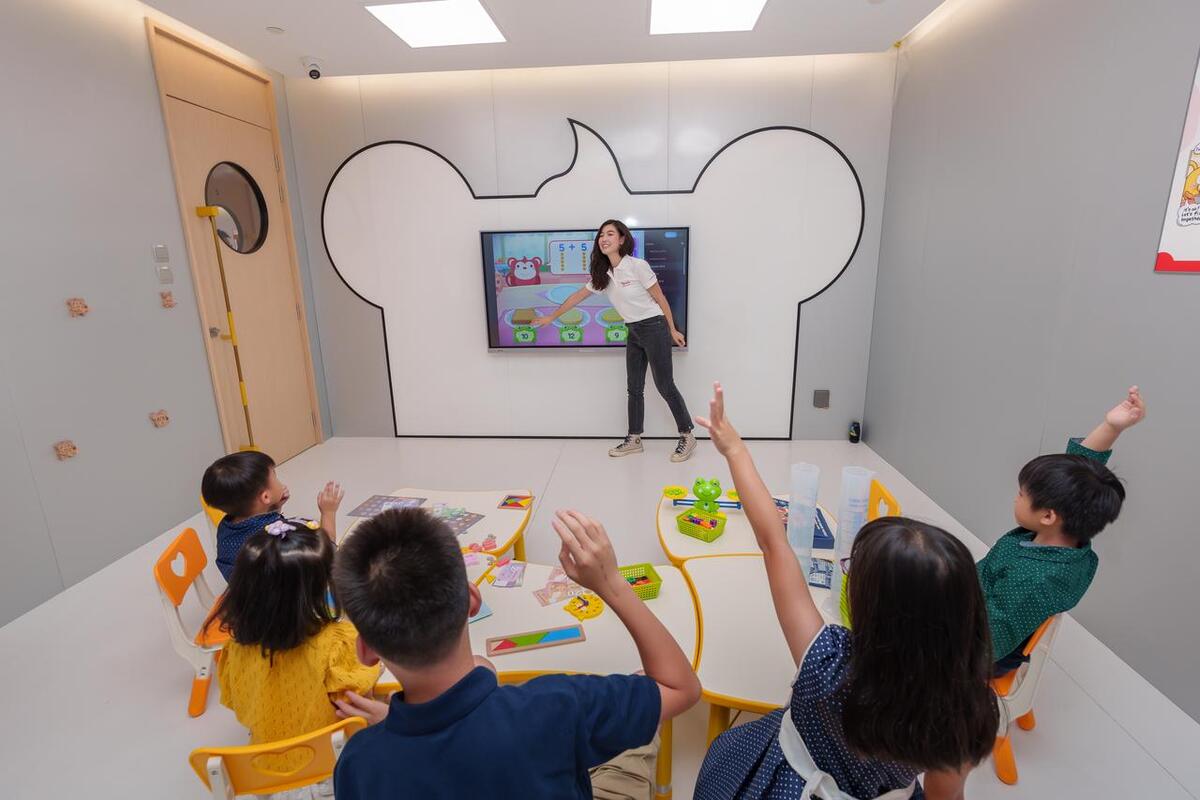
(905, 692)
(1045, 565)
(290, 656)
(244, 486)
(402, 580)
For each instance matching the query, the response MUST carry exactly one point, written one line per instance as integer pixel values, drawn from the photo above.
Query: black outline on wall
(575, 125)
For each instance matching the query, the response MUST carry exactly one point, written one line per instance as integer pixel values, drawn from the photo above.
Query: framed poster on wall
(1179, 247)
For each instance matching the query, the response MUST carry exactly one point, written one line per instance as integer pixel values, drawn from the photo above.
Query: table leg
(662, 777)
(519, 548)
(718, 721)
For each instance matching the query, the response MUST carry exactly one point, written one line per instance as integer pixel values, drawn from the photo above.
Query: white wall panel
(712, 102)
(627, 101)
(449, 111)
(766, 234)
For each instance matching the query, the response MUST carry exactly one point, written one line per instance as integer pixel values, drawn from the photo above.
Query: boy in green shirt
(1043, 567)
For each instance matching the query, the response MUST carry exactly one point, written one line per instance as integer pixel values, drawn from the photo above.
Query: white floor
(95, 697)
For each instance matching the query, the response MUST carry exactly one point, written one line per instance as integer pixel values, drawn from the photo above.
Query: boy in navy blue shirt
(245, 487)
(454, 732)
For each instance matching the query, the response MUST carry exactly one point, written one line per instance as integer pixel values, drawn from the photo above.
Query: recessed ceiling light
(704, 16)
(274, 29)
(437, 23)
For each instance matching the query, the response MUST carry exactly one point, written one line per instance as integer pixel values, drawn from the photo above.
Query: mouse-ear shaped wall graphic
(775, 218)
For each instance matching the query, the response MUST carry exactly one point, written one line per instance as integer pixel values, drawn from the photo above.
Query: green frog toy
(707, 492)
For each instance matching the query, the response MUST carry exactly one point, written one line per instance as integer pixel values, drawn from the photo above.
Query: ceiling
(540, 33)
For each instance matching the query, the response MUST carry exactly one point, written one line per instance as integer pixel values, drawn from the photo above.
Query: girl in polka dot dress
(906, 692)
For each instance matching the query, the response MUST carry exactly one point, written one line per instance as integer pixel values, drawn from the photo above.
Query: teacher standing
(632, 288)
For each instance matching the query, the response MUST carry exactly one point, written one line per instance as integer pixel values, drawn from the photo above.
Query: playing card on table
(510, 575)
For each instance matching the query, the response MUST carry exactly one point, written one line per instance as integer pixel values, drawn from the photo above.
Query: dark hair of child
(1084, 493)
(402, 581)
(232, 482)
(278, 597)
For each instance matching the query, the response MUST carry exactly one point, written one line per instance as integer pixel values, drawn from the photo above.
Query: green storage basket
(647, 591)
(704, 534)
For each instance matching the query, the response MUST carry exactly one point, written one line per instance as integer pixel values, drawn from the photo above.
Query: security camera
(313, 66)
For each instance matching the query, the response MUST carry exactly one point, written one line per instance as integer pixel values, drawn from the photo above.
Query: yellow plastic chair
(199, 649)
(231, 771)
(213, 517)
(1016, 691)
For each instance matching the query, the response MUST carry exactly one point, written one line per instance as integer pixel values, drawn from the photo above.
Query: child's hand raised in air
(1128, 412)
(586, 554)
(1124, 414)
(724, 437)
(330, 498)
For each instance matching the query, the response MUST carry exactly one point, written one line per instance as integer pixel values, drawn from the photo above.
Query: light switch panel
(161, 254)
(820, 398)
(165, 273)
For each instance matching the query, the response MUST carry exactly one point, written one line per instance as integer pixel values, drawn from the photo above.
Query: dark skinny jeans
(650, 343)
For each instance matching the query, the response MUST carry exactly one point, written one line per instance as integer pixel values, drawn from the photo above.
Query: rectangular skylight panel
(704, 16)
(439, 23)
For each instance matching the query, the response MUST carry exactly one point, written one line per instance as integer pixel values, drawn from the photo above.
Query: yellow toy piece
(675, 492)
(734, 496)
(585, 606)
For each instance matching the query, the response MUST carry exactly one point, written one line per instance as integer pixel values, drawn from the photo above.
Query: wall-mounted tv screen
(527, 274)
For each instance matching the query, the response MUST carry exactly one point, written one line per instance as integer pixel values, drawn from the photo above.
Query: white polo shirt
(627, 290)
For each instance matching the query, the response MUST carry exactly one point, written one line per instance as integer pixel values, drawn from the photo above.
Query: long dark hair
(278, 593)
(599, 265)
(918, 685)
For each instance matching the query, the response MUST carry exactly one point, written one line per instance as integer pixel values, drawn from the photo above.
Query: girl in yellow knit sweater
(289, 655)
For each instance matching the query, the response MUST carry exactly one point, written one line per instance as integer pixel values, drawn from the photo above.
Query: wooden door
(221, 116)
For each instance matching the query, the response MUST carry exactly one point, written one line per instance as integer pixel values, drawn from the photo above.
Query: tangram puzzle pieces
(517, 501)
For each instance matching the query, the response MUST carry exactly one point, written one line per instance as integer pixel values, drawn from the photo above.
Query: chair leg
(198, 701)
(519, 548)
(1027, 722)
(1003, 761)
(718, 721)
(662, 776)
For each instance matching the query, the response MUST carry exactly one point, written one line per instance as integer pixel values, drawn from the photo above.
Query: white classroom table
(607, 649)
(737, 539)
(506, 524)
(744, 661)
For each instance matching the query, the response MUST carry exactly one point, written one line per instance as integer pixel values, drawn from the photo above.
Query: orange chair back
(1037, 636)
(248, 774)
(175, 586)
(1003, 684)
